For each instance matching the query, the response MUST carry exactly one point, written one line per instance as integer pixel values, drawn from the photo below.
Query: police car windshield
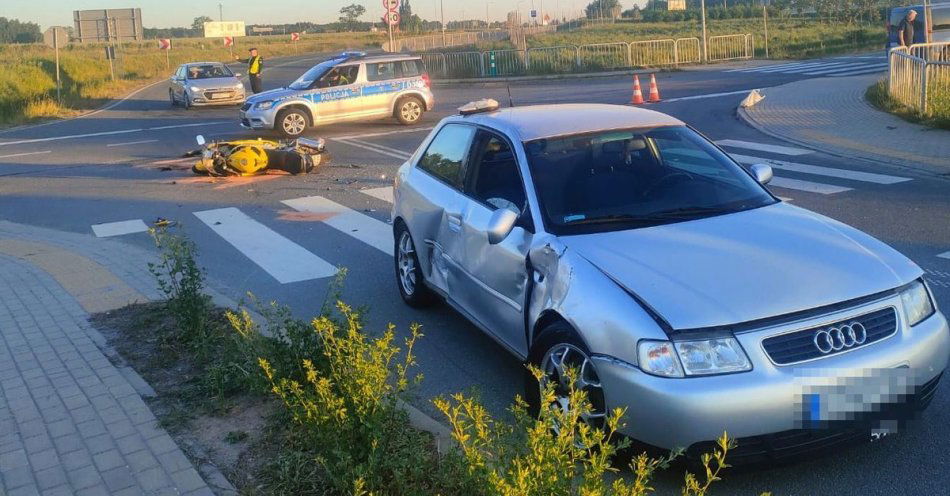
(307, 79)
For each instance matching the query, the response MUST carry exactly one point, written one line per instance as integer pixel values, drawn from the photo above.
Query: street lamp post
(702, 4)
(442, 8)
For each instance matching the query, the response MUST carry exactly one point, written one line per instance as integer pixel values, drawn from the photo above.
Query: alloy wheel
(555, 364)
(294, 124)
(407, 264)
(410, 111)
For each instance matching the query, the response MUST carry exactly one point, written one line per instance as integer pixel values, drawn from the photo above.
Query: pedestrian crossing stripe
(821, 68)
(868, 177)
(120, 228)
(373, 232)
(280, 257)
(807, 186)
(763, 147)
(385, 193)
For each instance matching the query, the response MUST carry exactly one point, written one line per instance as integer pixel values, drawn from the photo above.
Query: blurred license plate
(219, 96)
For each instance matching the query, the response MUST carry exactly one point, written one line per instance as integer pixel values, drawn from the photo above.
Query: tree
(602, 9)
(199, 23)
(14, 31)
(350, 15)
(407, 20)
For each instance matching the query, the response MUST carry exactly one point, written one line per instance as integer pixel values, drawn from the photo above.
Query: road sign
(217, 29)
(294, 36)
(391, 5)
(228, 41)
(164, 44)
(392, 18)
(56, 36)
(534, 13)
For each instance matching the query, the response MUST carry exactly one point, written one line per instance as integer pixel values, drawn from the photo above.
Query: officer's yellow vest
(255, 66)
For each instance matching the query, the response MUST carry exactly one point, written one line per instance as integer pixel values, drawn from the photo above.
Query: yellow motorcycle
(257, 156)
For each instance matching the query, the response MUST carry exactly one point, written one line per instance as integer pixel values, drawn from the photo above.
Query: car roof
(378, 58)
(189, 64)
(548, 121)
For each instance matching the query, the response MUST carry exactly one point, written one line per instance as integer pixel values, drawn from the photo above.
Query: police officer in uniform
(254, 65)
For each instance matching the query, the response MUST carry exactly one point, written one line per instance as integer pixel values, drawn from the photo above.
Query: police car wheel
(409, 110)
(291, 123)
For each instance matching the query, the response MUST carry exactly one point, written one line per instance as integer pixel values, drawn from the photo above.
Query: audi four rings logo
(840, 337)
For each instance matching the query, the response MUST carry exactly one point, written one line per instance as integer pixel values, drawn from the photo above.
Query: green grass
(939, 105)
(28, 74)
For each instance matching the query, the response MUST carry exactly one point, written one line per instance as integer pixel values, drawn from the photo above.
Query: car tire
(291, 123)
(171, 98)
(409, 110)
(187, 102)
(554, 339)
(409, 278)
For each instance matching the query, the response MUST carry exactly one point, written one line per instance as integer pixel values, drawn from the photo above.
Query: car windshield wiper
(687, 212)
(653, 217)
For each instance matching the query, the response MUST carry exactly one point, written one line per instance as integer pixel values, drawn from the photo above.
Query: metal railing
(583, 58)
(730, 47)
(920, 74)
(444, 40)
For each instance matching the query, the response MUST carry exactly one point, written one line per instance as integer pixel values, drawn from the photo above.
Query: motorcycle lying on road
(257, 156)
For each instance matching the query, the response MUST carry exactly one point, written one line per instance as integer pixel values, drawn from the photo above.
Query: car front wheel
(557, 350)
(291, 123)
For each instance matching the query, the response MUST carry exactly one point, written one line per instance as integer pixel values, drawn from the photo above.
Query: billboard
(107, 25)
(220, 29)
(676, 5)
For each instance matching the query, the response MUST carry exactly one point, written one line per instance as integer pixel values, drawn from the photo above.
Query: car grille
(800, 345)
(795, 443)
(209, 94)
(246, 106)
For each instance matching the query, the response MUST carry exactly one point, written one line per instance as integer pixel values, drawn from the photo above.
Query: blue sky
(167, 13)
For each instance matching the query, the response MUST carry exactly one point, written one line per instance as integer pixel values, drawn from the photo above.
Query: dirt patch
(220, 434)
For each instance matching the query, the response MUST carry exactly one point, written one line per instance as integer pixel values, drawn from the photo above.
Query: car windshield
(208, 71)
(307, 79)
(615, 180)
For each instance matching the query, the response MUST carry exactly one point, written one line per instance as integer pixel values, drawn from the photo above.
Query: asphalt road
(120, 164)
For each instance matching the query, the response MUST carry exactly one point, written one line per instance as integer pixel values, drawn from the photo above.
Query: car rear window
(382, 71)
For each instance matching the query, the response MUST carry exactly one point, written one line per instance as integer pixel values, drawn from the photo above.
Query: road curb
(743, 115)
(548, 77)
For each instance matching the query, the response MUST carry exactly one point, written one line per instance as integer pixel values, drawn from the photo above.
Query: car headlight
(194, 89)
(264, 105)
(691, 358)
(238, 86)
(916, 301)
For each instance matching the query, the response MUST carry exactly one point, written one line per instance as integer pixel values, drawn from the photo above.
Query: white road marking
(25, 154)
(868, 177)
(283, 259)
(109, 133)
(709, 95)
(132, 143)
(385, 133)
(858, 72)
(815, 66)
(109, 229)
(779, 67)
(843, 68)
(398, 154)
(762, 147)
(945, 255)
(385, 193)
(373, 232)
(824, 189)
(784, 198)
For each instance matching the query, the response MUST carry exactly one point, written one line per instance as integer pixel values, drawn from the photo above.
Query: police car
(349, 87)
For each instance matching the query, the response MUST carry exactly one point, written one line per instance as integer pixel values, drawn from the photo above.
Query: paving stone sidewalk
(831, 115)
(71, 422)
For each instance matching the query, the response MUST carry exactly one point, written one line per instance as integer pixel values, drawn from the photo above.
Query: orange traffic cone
(637, 98)
(654, 91)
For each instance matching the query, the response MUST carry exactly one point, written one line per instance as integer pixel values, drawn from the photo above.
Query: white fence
(585, 58)
(918, 74)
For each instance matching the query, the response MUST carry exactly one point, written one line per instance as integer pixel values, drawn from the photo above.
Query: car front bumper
(257, 119)
(772, 400)
(199, 100)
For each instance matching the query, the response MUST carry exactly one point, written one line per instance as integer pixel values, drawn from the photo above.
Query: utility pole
(220, 12)
(442, 8)
(702, 4)
(765, 20)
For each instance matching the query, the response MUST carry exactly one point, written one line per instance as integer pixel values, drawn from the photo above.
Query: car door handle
(455, 223)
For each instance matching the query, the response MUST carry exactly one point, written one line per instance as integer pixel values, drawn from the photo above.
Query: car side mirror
(762, 173)
(500, 224)
(201, 140)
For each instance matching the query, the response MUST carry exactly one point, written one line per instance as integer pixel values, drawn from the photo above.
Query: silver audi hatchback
(622, 243)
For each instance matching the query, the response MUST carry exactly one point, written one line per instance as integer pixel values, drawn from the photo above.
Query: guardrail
(918, 74)
(585, 58)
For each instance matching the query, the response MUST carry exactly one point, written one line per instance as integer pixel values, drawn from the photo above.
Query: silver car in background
(205, 83)
(620, 242)
(349, 87)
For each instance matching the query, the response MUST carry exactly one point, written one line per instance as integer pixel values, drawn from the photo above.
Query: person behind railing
(905, 30)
